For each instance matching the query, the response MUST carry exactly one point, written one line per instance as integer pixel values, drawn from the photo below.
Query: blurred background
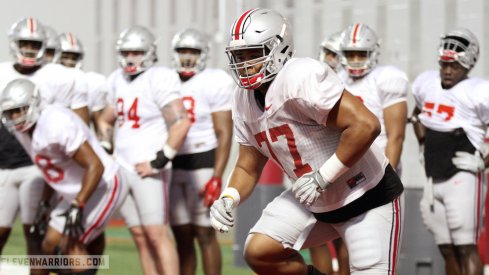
(409, 31)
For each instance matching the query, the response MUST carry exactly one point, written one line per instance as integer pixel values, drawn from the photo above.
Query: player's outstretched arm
(395, 117)
(90, 162)
(243, 179)
(359, 127)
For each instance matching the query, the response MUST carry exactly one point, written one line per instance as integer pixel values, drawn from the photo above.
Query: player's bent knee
(364, 251)
(466, 251)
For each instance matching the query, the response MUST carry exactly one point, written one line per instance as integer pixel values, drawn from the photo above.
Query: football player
(20, 181)
(152, 123)
(382, 89)
(297, 112)
(88, 181)
(52, 45)
(71, 54)
(330, 51)
(450, 119)
(199, 165)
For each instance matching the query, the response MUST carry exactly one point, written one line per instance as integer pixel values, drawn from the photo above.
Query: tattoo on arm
(174, 112)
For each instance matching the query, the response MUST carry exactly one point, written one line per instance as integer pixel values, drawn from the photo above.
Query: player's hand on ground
(211, 191)
(221, 214)
(144, 169)
(309, 187)
(74, 221)
(468, 162)
(41, 219)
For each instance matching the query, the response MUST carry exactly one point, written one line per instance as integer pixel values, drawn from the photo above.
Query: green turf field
(122, 252)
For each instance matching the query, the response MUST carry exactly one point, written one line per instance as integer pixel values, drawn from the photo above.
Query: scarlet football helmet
(265, 30)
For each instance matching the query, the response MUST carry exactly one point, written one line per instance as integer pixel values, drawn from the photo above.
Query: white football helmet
(69, 43)
(27, 29)
(20, 93)
(136, 38)
(332, 44)
(52, 45)
(262, 29)
(459, 45)
(188, 64)
(360, 37)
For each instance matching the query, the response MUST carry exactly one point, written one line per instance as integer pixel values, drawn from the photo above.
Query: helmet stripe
(31, 24)
(355, 31)
(239, 24)
(72, 39)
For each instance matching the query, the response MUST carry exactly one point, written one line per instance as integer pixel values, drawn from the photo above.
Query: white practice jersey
(97, 91)
(57, 84)
(292, 130)
(142, 131)
(465, 105)
(56, 138)
(381, 88)
(205, 93)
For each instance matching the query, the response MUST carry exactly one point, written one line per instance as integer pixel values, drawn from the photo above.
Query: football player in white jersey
(152, 122)
(199, 165)
(71, 54)
(52, 45)
(297, 112)
(88, 181)
(383, 89)
(18, 176)
(450, 121)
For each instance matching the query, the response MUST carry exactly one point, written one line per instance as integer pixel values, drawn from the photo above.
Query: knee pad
(364, 249)
(454, 215)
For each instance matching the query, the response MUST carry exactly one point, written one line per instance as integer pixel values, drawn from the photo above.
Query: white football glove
(469, 162)
(309, 187)
(221, 214)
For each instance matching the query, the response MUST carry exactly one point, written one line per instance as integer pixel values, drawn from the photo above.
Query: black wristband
(160, 161)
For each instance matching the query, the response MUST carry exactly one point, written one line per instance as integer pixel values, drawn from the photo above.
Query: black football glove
(74, 224)
(41, 219)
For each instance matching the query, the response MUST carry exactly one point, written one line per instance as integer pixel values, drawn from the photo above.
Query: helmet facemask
(361, 66)
(29, 53)
(267, 71)
(135, 62)
(71, 59)
(455, 49)
(189, 62)
(20, 108)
